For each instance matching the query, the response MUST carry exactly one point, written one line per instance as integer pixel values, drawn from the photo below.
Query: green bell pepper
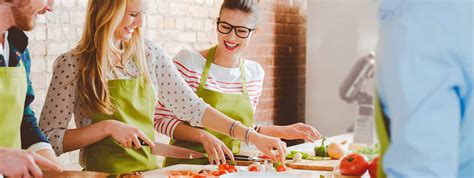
(321, 150)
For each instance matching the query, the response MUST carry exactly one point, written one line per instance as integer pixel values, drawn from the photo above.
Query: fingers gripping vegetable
(279, 167)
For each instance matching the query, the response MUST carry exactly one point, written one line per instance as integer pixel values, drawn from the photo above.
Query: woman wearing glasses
(227, 82)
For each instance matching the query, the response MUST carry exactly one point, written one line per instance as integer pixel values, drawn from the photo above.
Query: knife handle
(143, 142)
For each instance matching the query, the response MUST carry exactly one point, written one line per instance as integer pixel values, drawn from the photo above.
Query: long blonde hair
(95, 49)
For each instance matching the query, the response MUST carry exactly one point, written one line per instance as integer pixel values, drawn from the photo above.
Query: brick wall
(177, 24)
(280, 49)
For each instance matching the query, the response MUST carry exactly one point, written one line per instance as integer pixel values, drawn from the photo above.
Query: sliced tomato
(222, 172)
(280, 168)
(200, 176)
(223, 166)
(254, 168)
(215, 173)
(231, 169)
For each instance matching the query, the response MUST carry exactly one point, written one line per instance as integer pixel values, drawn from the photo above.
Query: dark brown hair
(248, 6)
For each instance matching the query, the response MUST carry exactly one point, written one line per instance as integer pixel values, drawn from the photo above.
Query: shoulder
(189, 58)
(155, 54)
(154, 48)
(254, 68)
(67, 62)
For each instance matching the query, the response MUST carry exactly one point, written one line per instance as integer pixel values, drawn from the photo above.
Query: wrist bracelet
(257, 128)
(231, 130)
(246, 137)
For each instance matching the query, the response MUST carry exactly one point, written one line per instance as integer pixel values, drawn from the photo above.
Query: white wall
(339, 32)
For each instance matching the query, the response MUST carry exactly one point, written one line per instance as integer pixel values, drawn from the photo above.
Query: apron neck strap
(242, 77)
(205, 73)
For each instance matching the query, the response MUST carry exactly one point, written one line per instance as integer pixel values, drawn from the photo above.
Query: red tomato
(231, 169)
(222, 172)
(353, 165)
(280, 168)
(254, 168)
(215, 173)
(373, 167)
(223, 166)
(200, 176)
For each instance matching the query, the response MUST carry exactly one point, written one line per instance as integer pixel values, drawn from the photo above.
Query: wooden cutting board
(319, 165)
(73, 174)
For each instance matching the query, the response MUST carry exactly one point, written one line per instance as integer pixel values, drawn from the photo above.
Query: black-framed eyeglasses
(241, 31)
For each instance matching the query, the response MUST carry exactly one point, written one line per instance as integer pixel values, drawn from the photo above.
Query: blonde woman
(111, 82)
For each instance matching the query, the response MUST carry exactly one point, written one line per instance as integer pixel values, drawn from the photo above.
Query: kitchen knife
(247, 158)
(162, 149)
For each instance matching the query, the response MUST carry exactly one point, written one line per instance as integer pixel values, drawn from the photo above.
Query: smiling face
(231, 43)
(25, 12)
(132, 19)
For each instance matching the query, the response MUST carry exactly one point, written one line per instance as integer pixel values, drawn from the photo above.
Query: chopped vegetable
(292, 154)
(277, 164)
(227, 167)
(369, 152)
(254, 168)
(297, 158)
(315, 158)
(280, 167)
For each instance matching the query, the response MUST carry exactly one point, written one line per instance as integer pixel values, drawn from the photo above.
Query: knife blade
(247, 158)
(172, 151)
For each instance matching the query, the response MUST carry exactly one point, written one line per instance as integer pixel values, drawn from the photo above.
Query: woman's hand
(215, 148)
(300, 131)
(49, 154)
(266, 144)
(127, 135)
(21, 163)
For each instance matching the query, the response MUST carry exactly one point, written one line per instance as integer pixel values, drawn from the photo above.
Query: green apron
(12, 91)
(236, 106)
(134, 102)
(382, 134)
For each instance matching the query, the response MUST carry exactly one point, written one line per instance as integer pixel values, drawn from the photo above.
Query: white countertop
(251, 150)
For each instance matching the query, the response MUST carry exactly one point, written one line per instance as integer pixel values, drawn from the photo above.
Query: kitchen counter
(251, 150)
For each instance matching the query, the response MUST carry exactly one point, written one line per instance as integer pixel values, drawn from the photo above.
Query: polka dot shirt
(61, 100)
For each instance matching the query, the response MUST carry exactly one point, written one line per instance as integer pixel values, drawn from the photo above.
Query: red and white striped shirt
(190, 64)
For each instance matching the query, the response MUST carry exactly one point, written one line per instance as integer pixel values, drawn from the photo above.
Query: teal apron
(12, 91)
(235, 106)
(134, 102)
(382, 134)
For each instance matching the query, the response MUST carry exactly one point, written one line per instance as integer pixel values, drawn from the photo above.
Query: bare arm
(81, 137)
(290, 132)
